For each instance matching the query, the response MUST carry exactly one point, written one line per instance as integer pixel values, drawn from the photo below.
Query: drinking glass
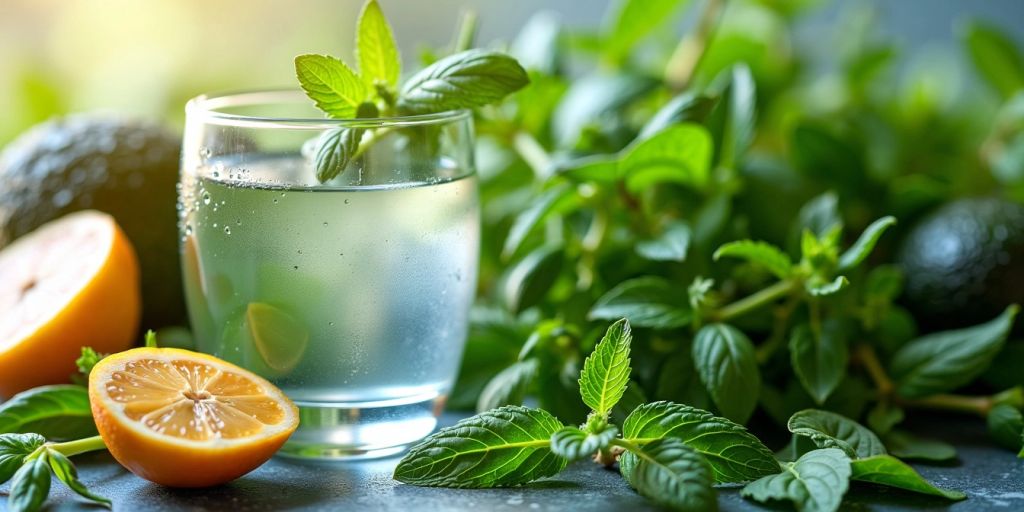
(351, 295)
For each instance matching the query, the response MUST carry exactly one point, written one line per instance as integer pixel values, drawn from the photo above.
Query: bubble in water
(227, 230)
(188, 229)
(296, 267)
(205, 152)
(330, 324)
(238, 222)
(206, 198)
(299, 251)
(214, 224)
(325, 224)
(275, 201)
(346, 201)
(283, 194)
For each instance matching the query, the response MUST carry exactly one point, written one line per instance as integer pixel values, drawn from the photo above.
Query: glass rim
(207, 108)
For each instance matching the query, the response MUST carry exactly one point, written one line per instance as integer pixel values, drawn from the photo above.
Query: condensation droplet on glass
(296, 267)
(227, 230)
(346, 201)
(325, 224)
(205, 152)
(275, 201)
(188, 229)
(206, 198)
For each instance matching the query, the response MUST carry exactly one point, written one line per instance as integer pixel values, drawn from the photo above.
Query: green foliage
(816, 482)
(469, 79)
(572, 443)
(646, 301)
(724, 358)
(830, 430)
(671, 474)
(889, 471)
(606, 371)
(59, 411)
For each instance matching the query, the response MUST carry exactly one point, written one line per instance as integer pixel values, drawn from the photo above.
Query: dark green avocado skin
(964, 263)
(127, 168)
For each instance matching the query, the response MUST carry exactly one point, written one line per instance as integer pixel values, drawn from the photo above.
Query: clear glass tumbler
(351, 295)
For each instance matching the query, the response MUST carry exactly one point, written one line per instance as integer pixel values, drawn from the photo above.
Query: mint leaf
(87, 360)
(13, 450)
(606, 370)
(865, 243)
(508, 387)
(30, 486)
(906, 446)
(889, 471)
(670, 245)
(59, 411)
(551, 200)
(499, 448)
(636, 19)
(674, 475)
(816, 482)
(65, 471)
(820, 288)
(819, 361)
(334, 151)
(646, 302)
(725, 360)
(376, 49)
(1006, 426)
(468, 79)
(830, 430)
(678, 154)
(943, 361)
(150, 339)
(735, 454)
(528, 280)
(330, 84)
(995, 56)
(740, 105)
(573, 444)
(763, 254)
(687, 106)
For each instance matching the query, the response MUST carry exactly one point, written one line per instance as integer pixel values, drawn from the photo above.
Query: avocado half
(125, 167)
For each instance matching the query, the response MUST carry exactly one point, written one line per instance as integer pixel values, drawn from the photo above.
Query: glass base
(361, 431)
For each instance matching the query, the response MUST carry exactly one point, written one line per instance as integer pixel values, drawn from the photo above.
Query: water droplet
(330, 324)
(275, 201)
(238, 222)
(206, 198)
(216, 174)
(283, 194)
(299, 251)
(214, 224)
(325, 224)
(296, 267)
(188, 229)
(227, 230)
(346, 201)
(205, 152)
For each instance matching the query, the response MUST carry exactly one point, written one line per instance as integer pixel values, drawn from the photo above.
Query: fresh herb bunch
(673, 454)
(466, 79)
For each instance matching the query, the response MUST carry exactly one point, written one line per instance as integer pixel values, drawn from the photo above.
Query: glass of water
(351, 295)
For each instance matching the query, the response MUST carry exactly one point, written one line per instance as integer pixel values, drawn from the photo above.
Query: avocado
(964, 262)
(125, 167)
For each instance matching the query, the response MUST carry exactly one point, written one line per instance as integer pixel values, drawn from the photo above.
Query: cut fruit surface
(73, 282)
(186, 419)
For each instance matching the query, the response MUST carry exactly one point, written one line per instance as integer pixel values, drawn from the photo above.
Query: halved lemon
(71, 283)
(185, 419)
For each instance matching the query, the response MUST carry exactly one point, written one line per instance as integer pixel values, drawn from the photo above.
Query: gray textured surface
(993, 478)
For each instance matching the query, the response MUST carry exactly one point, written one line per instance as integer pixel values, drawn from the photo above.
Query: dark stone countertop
(993, 479)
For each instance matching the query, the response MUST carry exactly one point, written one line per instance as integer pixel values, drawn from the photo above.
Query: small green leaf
(508, 387)
(634, 20)
(725, 360)
(150, 339)
(819, 361)
(468, 79)
(606, 370)
(591, 168)
(87, 360)
(882, 418)
(741, 104)
(670, 245)
(330, 84)
(573, 444)
(686, 107)
(889, 471)
(30, 486)
(500, 448)
(906, 446)
(865, 243)
(826, 288)
(995, 56)
(529, 279)
(943, 361)
(678, 154)
(67, 473)
(59, 411)
(646, 302)
(674, 475)
(816, 482)
(1006, 425)
(759, 253)
(548, 202)
(375, 47)
(334, 150)
(735, 454)
(595, 100)
(831, 430)
(820, 215)
(13, 450)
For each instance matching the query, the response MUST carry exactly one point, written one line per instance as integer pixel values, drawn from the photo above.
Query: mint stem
(977, 405)
(866, 355)
(467, 31)
(72, 448)
(754, 301)
(533, 154)
(686, 57)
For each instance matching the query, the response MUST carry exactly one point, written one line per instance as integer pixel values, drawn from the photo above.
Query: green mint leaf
(536, 46)
(375, 47)
(13, 450)
(30, 486)
(819, 361)
(634, 20)
(67, 473)
(592, 100)
(889, 471)
(759, 253)
(59, 411)
(150, 339)
(687, 106)
(646, 302)
(740, 110)
(820, 215)
(504, 447)
(528, 280)
(334, 150)
(816, 482)
(572, 443)
(670, 245)
(821, 288)
(468, 79)
(907, 446)
(330, 83)
(943, 361)
(698, 291)
(830, 430)
(1006, 425)
(674, 475)
(592, 168)
(725, 360)
(995, 56)
(678, 154)
(735, 454)
(555, 199)
(508, 387)
(606, 370)
(860, 249)
(882, 418)
(87, 360)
